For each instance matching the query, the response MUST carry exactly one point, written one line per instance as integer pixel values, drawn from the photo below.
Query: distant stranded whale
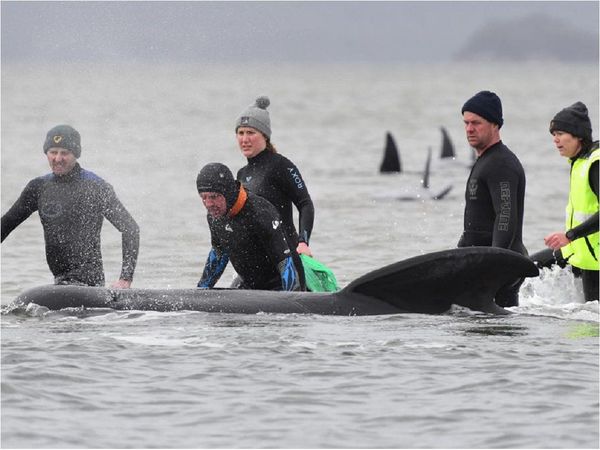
(415, 192)
(431, 284)
(391, 162)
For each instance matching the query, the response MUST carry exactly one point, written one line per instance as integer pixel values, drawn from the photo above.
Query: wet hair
(270, 147)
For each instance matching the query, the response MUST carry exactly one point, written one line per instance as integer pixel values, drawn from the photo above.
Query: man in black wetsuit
(495, 192)
(72, 204)
(247, 230)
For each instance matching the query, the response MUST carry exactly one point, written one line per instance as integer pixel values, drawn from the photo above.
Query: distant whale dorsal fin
(391, 156)
(447, 146)
(427, 171)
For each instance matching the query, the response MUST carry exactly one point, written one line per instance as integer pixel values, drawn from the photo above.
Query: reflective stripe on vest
(583, 204)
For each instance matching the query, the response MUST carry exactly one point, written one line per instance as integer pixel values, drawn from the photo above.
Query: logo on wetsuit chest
(248, 179)
(472, 189)
(51, 210)
(276, 224)
(296, 177)
(228, 228)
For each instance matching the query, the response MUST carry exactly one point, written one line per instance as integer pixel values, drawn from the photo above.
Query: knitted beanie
(487, 105)
(256, 116)
(573, 119)
(64, 136)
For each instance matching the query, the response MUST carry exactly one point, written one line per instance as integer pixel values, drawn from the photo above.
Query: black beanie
(64, 136)
(487, 105)
(573, 119)
(216, 177)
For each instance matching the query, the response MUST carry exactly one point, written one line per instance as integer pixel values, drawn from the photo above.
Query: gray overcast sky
(263, 31)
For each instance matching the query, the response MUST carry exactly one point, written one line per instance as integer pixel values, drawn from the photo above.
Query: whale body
(430, 284)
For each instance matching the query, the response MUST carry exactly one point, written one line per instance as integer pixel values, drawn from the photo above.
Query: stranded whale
(429, 283)
(413, 193)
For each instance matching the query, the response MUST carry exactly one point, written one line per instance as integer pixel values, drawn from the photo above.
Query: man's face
(480, 133)
(61, 160)
(215, 203)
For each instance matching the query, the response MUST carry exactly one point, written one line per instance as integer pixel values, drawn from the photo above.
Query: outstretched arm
(213, 269)
(299, 195)
(21, 210)
(118, 215)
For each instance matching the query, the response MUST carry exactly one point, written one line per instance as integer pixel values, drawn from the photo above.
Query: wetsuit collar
(489, 148)
(74, 173)
(239, 203)
(263, 154)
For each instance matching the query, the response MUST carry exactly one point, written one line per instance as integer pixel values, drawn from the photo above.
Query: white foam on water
(557, 293)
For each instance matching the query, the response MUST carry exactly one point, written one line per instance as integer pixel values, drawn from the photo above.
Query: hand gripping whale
(428, 284)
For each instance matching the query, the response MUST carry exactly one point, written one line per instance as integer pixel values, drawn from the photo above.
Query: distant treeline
(532, 38)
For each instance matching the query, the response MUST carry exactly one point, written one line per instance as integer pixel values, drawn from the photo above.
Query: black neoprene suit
(254, 241)
(495, 197)
(276, 178)
(72, 208)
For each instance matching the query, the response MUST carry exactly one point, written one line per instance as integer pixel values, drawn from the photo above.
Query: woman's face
(251, 141)
(567, 144)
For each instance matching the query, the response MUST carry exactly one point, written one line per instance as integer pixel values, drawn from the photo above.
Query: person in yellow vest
(571, 129)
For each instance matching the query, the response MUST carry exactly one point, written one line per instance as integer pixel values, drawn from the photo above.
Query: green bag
(319, 277)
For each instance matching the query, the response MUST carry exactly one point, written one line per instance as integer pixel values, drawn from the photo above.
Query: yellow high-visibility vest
(583, 203)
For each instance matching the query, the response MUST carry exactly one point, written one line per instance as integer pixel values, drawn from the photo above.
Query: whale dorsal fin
(427, 171)
(447, 146)
(391, 156)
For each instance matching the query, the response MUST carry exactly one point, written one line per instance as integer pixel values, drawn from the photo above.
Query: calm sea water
(142, 379)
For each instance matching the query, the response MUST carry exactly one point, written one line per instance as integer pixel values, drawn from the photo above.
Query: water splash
(557, 293)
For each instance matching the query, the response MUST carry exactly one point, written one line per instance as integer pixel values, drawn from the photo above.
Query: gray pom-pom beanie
(257, 116)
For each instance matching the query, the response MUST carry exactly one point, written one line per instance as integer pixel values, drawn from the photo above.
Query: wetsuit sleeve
(298, 193)
(117, 215)
(25, 205)
(290, 280)
(213, 269)
(503, 184)
(590, 226)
